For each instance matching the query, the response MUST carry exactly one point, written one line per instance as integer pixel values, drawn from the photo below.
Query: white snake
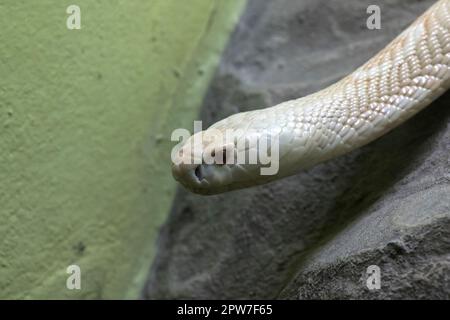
(402, 79)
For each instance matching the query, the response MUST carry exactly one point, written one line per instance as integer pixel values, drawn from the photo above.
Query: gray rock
(313, 235)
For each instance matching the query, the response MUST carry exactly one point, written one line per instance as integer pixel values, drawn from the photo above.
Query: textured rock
(313, 235)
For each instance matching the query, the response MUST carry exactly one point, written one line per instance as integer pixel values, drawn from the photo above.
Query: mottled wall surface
(314, 235)
(85, 118)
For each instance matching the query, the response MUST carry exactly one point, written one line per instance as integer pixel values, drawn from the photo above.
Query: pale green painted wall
(85, 118)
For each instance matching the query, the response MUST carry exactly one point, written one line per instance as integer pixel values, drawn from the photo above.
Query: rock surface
(313, 235)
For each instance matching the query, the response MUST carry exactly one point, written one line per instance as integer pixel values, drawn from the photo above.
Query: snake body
(402, 79)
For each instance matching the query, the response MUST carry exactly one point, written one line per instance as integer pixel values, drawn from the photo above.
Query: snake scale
(402, 79)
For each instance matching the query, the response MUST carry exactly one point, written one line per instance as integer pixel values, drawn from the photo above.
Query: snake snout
(190, 175)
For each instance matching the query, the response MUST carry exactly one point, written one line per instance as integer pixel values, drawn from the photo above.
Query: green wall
(85, 120)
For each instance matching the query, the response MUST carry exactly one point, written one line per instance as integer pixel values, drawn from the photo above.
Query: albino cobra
(402, 79)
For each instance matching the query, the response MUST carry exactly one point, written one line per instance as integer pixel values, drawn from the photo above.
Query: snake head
(214, 161)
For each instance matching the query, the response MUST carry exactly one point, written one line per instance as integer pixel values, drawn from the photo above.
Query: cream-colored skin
(402, 79)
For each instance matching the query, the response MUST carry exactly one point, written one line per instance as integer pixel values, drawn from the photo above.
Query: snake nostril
(198, 173)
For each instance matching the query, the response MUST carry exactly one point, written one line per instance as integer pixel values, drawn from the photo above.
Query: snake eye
(227, 151)
(231, 154)
(220, 155)
(224, 156)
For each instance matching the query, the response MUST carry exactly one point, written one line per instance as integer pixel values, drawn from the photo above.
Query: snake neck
(402, 79)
